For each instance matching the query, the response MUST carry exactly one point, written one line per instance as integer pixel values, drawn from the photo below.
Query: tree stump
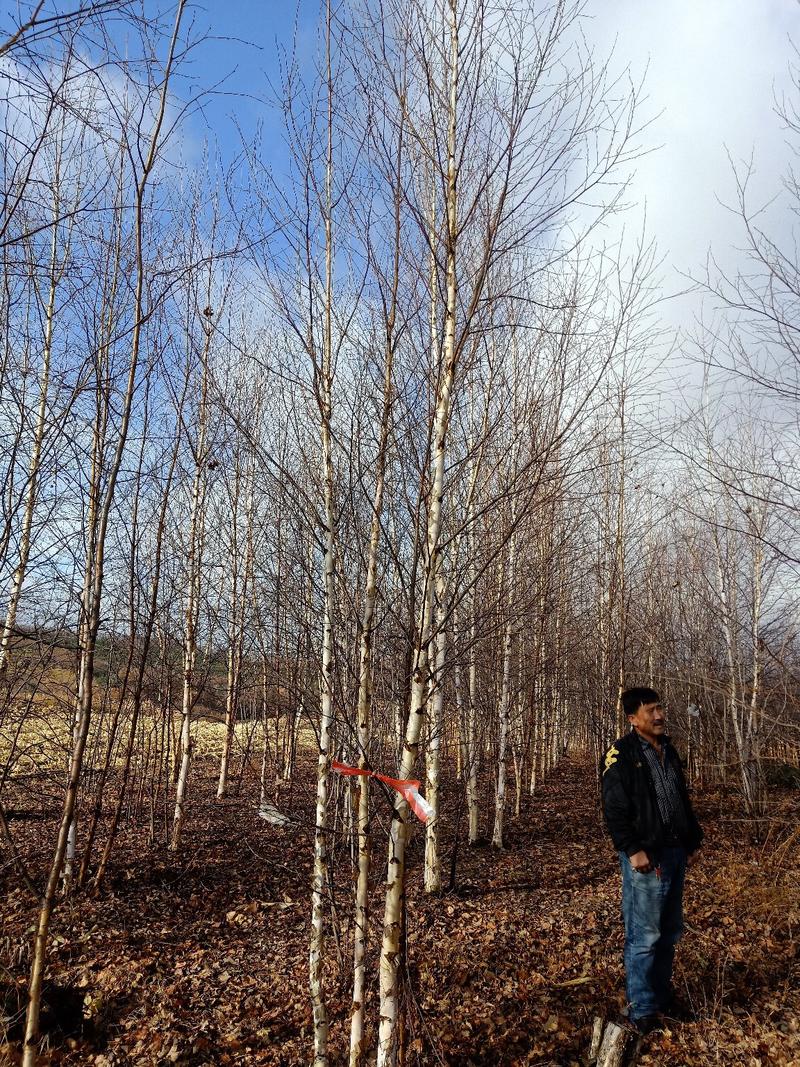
(613, 1045)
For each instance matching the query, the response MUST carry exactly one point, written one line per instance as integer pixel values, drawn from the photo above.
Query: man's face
(649, 720)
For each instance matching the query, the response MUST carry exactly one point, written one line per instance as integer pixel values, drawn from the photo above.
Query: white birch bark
(461, 717)
(468, 713)
(433, 868)
(316, 949)
(473, 808)
(396, 872)
(505, 696)
(751, 768)
(238, 602)
(518, 737)
(361, 933)
(262, 792)
(192, 608)
(728, 623)
(433, 876)
(324, 399)
(233, 636)
(620, 562)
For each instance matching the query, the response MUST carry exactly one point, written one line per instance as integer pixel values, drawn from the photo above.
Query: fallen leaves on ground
(200, 958)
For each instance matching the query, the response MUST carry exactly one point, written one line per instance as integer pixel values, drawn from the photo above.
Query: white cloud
(714, 67)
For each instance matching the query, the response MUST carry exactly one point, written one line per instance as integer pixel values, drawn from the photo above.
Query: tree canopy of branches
(356, 462)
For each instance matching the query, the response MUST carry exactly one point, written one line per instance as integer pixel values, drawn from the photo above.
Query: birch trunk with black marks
(323, 377)
(432, 879)
(364, 707)
(390, 958)
(191, 614)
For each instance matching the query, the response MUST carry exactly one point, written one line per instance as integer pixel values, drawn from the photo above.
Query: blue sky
(246, 38)
(712, 67)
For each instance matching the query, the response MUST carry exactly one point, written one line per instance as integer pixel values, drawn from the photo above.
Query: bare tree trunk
(361, 932)
(91, 607)
(238, 604)
(105, 770)
(388, 1036)
(150, 624)
(433, 871)
(506, 587)
(473, 808)
(752, 769)
(55, 274)
(194, 565)
(324, 376)
(433, 866)
(364, 707)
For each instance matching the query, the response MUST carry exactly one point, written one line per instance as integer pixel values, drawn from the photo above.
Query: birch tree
(305, 306)
(390, 150)
(148, 148)
(201, 324)
(484, 191)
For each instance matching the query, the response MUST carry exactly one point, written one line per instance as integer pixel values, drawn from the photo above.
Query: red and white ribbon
(407, 787)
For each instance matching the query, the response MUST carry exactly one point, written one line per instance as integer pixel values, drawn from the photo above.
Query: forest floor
(200, 958)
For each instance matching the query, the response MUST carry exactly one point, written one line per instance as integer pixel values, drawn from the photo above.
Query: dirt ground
(201, 958)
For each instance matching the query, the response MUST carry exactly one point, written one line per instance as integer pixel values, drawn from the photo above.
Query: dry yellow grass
(40, 740)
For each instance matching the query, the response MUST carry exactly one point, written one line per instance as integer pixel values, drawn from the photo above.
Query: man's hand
(640, 862)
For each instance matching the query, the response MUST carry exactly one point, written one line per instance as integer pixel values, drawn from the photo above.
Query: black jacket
(629, 799)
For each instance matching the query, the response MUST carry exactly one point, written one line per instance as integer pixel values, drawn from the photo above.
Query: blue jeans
(652, 909)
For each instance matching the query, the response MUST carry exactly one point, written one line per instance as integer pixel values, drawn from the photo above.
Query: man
(649, 816)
